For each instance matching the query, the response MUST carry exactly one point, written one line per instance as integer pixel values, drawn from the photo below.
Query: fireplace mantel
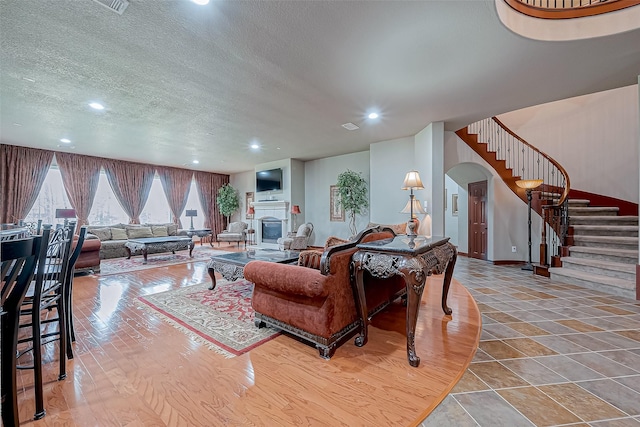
(271, 204)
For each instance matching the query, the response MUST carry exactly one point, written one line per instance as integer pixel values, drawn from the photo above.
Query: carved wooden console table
(413, 258)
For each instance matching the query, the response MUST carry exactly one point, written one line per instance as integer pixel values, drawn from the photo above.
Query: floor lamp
(412, 182)
(295, 211)
(528, 185)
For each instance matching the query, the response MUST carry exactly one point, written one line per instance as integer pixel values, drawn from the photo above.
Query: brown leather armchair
(318, 305)
(89, 259)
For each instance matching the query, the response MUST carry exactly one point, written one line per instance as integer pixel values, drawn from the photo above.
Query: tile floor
(550, 354)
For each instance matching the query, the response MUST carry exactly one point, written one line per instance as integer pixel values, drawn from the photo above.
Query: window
(106, 209)
(193, 202)
(52, 196)
(156, 210)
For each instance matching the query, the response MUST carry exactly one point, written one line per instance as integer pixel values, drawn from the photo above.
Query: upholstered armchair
(298, 240)
(235, 232)
(317, 303)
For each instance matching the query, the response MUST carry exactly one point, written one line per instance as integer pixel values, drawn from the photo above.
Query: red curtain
(131, 184)
(208, 184)
(22, 173)
(176, 184)
(80, 176)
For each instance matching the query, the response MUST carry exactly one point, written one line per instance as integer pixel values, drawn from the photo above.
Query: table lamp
(191, 213)
(412, 182)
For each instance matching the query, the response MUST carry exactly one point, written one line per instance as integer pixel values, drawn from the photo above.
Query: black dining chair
(19, 259)
(68, 287)
(46, 294)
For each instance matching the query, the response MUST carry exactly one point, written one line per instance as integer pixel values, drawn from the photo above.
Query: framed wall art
(336, 211)
(454, 204)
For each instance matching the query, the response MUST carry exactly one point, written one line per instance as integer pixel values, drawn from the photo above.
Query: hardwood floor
(133, 369)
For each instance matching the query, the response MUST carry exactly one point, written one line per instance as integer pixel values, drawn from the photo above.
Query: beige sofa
(114, 237)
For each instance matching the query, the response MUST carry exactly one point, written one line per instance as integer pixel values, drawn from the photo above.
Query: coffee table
(231, 266)
(164, 244)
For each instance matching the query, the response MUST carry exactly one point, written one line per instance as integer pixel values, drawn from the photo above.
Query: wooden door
(478, 220)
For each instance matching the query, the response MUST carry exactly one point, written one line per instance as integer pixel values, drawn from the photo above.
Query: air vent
(118, 6)
(350, 126)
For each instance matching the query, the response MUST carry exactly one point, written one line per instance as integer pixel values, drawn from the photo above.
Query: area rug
(124, 265)
(223, 318)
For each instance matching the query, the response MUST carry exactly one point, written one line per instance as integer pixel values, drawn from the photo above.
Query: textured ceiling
(183, 82)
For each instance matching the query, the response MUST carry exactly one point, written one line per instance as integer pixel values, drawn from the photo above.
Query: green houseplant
(227, 200)
(352, 189)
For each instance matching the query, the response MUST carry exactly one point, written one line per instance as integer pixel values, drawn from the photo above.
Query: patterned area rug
(123, 265)
(223, 318)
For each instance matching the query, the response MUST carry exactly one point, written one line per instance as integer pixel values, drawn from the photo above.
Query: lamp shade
(295, 209)
(417, 207)
(529, 184)
(191, 212)
(251, 211)
(412, 181)
(65, 213)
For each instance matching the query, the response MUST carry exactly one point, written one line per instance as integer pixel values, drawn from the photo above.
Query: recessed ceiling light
(65, 140)
(28, 79)
(195, 162)
(17, 124)
(373, 115)
(255, 146)
(96, 106)
(201, 2)
(277, 148)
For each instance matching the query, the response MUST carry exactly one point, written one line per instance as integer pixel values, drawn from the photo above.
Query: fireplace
(271, 229)
(273, 213)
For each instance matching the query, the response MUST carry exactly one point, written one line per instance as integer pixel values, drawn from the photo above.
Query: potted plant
(227, 200)
(352, 190)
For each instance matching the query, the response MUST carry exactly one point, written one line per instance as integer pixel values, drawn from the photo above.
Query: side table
(414, 258)
(201, 233)
(251, 233)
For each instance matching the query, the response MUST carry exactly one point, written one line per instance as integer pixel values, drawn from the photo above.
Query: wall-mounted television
(269, 180)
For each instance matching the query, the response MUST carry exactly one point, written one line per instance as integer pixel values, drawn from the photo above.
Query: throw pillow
(118, 233)
(139, 232)
(159, 230)
(333, 241)
(172, 229)
(310, 259)
(102, 233)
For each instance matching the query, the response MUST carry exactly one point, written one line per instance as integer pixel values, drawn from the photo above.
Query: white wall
(243, 182)
(587, 134)
(429, 161)
(450, 220)
(389, 162)
(319, 176)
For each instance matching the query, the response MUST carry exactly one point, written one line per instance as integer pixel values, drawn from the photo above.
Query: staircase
(603, 250)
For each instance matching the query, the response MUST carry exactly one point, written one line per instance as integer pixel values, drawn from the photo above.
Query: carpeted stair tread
(589, 210)
(602, 264)
(629, 254)
(623, 240)
(600, 219)
(622, 287)
(586, 227)
(579, 202)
